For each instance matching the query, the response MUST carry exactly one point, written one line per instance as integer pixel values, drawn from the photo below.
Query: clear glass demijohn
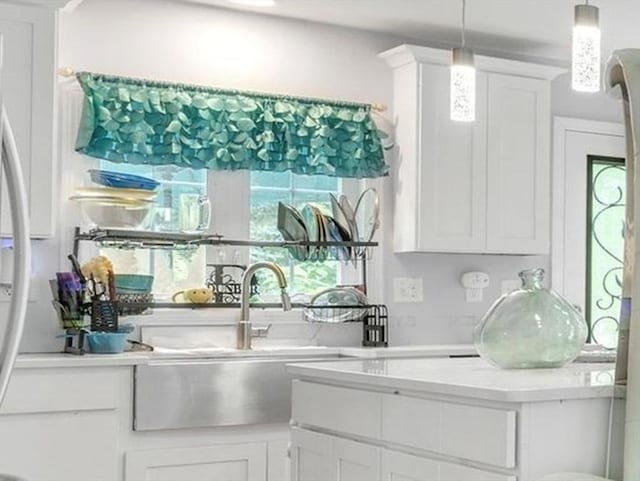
(531, 327)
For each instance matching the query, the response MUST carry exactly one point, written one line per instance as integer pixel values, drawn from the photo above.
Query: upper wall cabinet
(479, 187)
(28, 90)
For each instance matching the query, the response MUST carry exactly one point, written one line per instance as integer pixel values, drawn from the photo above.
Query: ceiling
(527, 28)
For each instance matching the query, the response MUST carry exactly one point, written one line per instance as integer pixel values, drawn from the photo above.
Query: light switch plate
(407, 289)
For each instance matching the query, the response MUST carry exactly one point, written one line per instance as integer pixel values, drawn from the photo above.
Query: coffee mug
(199, 295)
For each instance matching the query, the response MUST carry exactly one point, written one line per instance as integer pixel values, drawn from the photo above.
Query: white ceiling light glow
(585, 68)
(463, 80)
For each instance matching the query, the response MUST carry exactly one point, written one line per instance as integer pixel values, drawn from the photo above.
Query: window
(173, 270)
(269, 188)
(605, 247)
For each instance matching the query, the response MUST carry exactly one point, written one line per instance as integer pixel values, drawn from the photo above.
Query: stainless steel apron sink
(228, 391)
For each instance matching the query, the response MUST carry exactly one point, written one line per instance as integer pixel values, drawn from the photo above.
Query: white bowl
(115, 213)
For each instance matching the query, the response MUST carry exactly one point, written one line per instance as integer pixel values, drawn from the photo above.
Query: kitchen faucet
(246, 332)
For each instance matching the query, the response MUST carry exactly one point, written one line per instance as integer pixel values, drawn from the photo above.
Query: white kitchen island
(447, 420)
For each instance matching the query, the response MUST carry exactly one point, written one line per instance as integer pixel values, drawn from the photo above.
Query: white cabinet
(518, 165)
(426, 436)
(320, 457)
(28, 85)
(480, 187)
(239, 462)
(61, 425)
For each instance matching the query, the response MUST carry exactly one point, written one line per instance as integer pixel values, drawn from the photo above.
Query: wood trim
(404, 54)
(561, 127)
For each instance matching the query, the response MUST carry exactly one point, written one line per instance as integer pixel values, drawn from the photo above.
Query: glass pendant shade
(586, 50)
(463, 85)
(531, 327)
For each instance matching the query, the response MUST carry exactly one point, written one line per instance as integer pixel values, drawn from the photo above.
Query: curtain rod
(68, 72)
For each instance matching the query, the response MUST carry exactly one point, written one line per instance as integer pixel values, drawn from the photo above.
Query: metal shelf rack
(137, 239)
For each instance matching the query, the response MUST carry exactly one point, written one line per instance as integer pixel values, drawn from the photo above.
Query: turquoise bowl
(107, 342)
(133, 283)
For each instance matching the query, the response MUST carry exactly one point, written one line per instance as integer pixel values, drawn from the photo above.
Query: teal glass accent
(531, 327)
(144, 122)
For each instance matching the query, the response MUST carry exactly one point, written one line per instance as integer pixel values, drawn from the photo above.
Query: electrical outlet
(509, 285)
(473, 295)
(407, 289)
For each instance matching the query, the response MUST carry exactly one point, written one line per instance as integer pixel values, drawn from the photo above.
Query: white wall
(161, 39)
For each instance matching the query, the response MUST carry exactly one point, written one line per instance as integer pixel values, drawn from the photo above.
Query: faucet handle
(261, 331)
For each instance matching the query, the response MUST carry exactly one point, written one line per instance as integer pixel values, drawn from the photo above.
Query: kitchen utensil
(76, 268)
(292, 227)
(323, 233)
(350, 216)
(107, 342)
(129, 303)
(367, 214)
(313, 229)
(122, 181)
(199, 295)
(116, 193)
(338, 214)
(133, 283)
(117, 214)
(339, 304)
(338, 234)
(195, 213)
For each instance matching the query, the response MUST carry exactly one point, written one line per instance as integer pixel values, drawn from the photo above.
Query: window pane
(271, 179)
(304, 277)
(315, 182)
(605, 247)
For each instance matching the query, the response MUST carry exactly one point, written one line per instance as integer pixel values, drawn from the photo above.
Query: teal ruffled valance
(143, 122)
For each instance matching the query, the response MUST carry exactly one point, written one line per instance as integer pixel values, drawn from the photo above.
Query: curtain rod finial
(66, 72)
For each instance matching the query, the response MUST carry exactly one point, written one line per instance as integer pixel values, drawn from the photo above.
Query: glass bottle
(531, 327)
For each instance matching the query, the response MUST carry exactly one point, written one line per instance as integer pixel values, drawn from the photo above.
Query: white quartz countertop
(470, 378)
(54, 360)
(426, 350)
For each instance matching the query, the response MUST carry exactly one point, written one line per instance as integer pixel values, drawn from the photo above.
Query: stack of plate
(123, 201)
(311, 225)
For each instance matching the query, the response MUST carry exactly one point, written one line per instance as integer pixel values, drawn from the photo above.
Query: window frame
(73, 167)
(592, 160)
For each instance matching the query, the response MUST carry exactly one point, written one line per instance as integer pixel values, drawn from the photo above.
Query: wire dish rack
(374, 318)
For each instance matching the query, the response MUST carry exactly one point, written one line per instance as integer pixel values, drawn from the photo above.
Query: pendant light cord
(464, 8)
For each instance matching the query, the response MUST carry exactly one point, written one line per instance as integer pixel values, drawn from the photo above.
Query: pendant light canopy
(463, 80)
(586, 49)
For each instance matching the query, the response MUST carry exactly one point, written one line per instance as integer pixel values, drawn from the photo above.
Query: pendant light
(463, 80)
(586, 49)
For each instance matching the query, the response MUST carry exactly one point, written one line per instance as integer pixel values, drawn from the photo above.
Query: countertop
(55, 360)
(469, 378)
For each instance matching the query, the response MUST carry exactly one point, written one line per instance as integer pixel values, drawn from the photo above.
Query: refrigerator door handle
(21, 250)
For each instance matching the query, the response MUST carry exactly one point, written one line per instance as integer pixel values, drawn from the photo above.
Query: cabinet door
(28, 88)
(395, 466)
(352, 461)
(518, 186)
(451, 169)
(60, 446)
(234, 462)
(310, 456)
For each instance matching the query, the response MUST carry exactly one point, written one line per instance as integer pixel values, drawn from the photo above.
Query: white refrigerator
(17, 195)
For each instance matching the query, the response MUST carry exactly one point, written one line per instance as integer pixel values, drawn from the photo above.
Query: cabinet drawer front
(454, 472)
(471, 432)
(340, 409)
(55, 390)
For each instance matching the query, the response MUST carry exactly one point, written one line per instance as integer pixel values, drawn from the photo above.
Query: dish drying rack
(138, 239)
(374, 318)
